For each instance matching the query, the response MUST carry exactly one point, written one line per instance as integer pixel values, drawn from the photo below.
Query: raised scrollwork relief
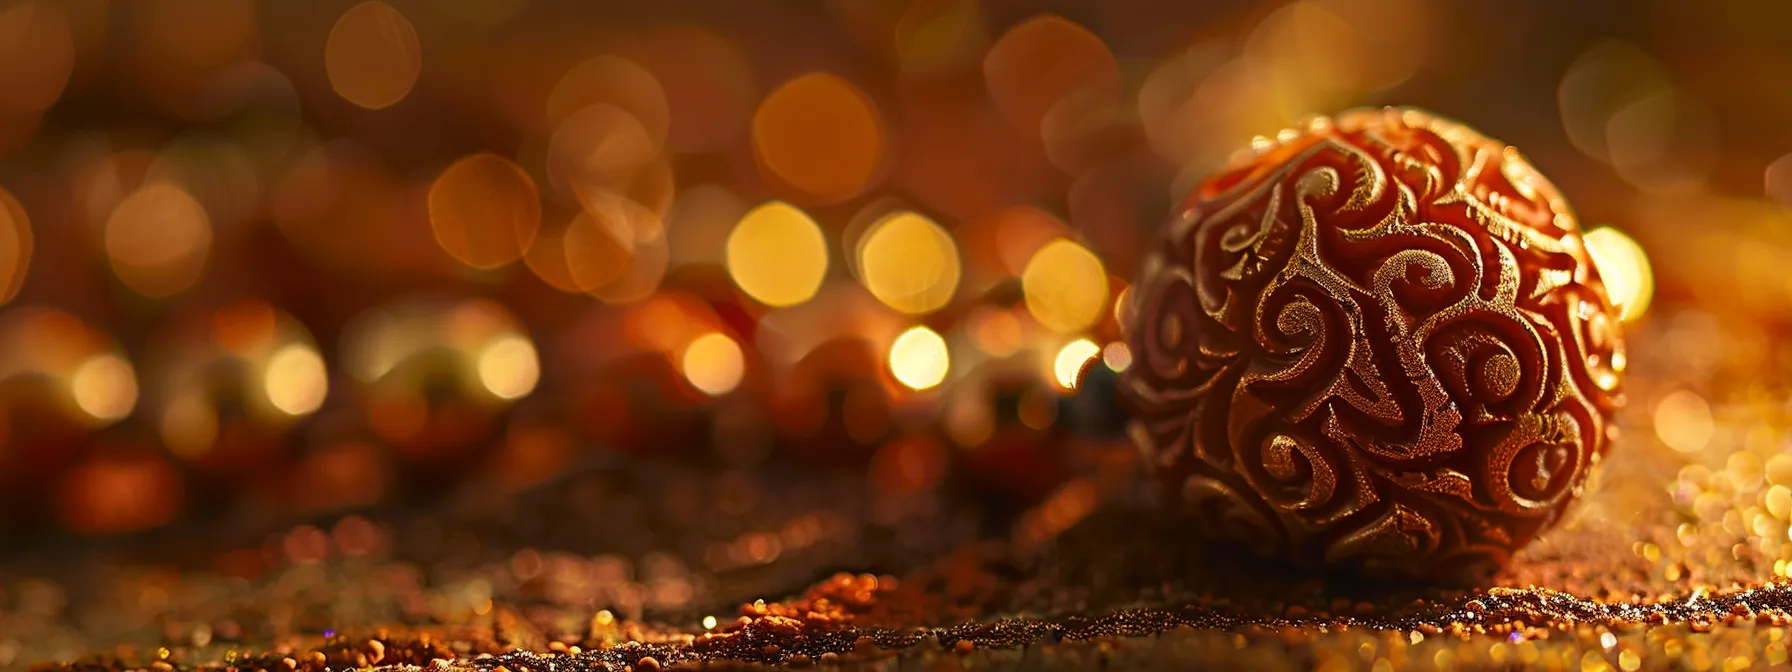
(1376, 341)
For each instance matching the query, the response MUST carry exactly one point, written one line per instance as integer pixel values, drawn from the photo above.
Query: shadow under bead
(1374, 343)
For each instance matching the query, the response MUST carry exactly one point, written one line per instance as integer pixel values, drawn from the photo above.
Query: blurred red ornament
(119, 488)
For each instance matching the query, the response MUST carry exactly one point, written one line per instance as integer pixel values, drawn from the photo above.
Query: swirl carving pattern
(1376, 342)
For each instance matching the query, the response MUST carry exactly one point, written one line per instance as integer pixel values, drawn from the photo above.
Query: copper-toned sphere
(1376, 343)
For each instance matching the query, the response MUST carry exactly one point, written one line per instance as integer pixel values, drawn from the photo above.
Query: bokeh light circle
(713, 363)
(1067, 367)
(16, 246)
(821, 136)
(1624, 267)
(508, 366)
(909, 263)
(919, 359)
(1684, 422)
(36, 55)
(646, 265)
(598, 147)
(777, 255)
(158, 240)
(104, 386)
(295, 379)
(615, 81)
(597, 249)
(484, 210)
(1065, 286)
(372, 56)
(1040, 61)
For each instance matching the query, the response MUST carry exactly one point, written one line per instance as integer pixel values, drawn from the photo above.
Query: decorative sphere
(1377, 343)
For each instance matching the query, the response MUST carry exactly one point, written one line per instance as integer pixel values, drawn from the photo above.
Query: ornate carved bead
(1375, 342)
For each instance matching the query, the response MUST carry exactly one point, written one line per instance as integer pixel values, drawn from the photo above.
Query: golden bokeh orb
(372, 55)
(1067, 367)
(777, 255)
(821, 136)
(158, 240)
(1684, 422)
(918, 358)
(909, 263)
(484, 210)
(1624, 266)
(295, 379)
(36, 55)
(713, 363)
(508, 366)
(104, 386)
(1065, 286)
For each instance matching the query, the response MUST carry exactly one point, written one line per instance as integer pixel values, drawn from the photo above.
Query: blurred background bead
(224, 387)
(432, 377)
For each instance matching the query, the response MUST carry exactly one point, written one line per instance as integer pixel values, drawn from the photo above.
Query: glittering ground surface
(1675, 560)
